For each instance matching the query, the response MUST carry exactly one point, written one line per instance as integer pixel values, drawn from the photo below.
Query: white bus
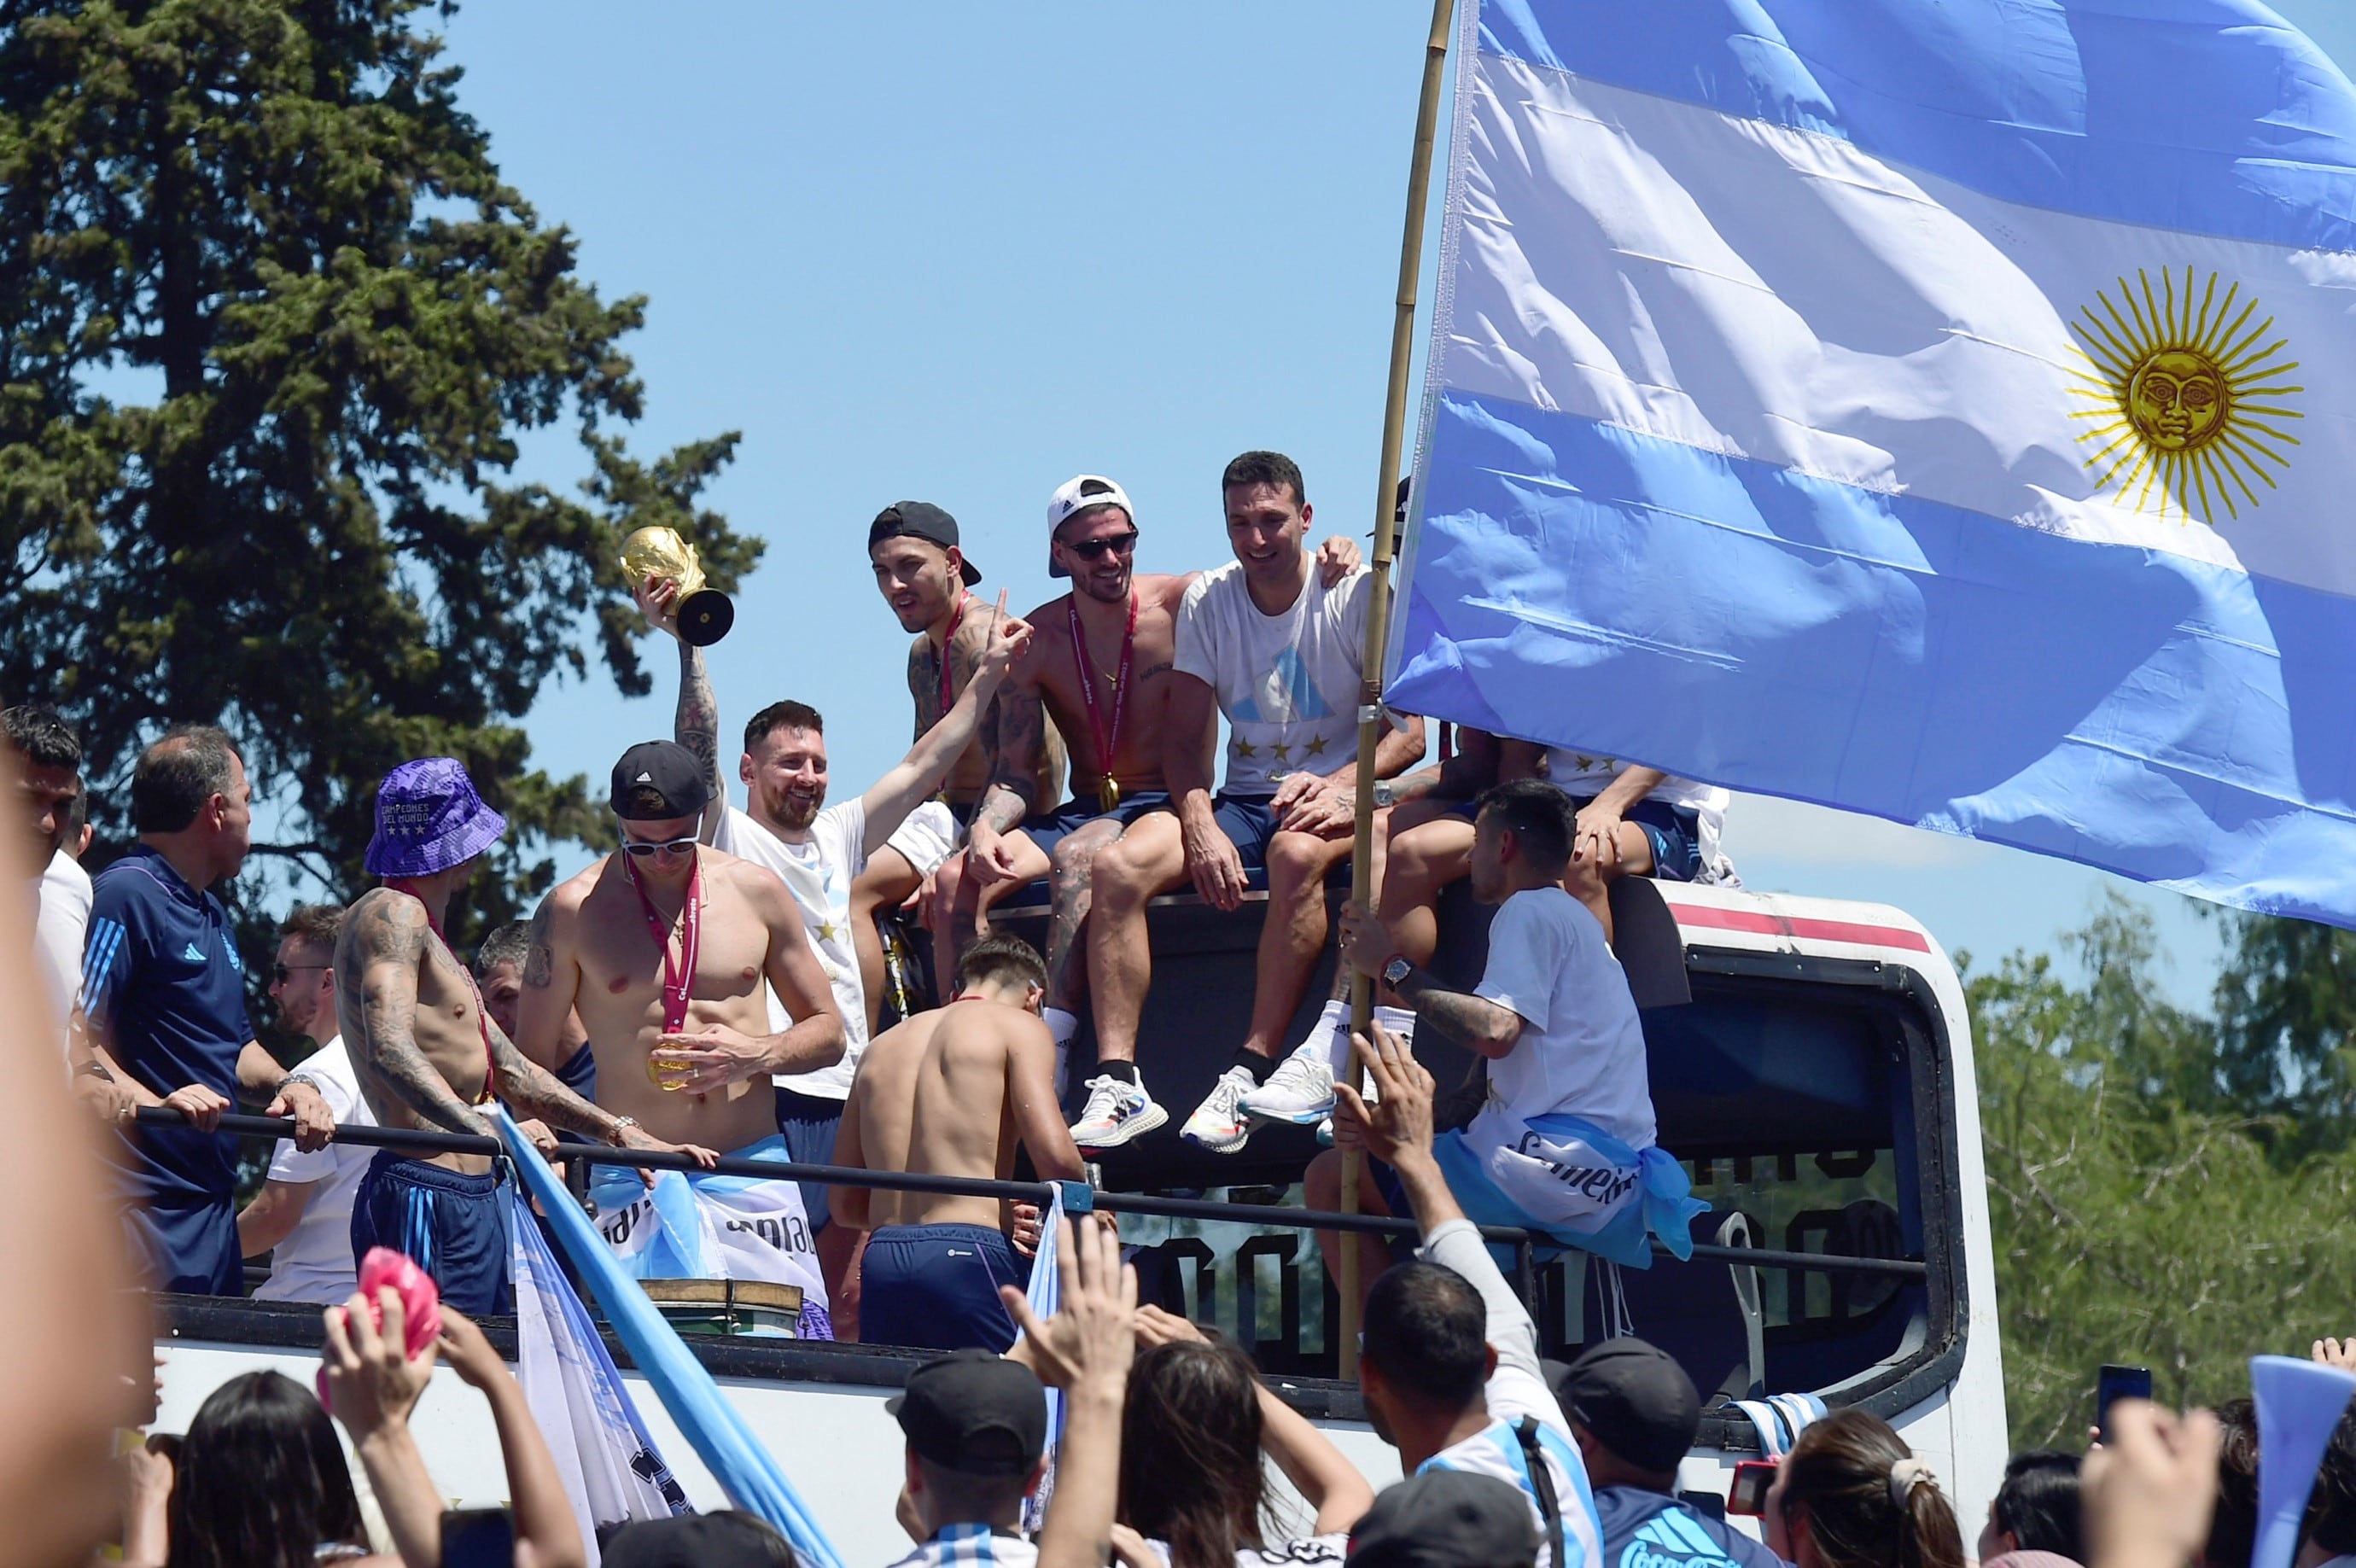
(1818, 1083)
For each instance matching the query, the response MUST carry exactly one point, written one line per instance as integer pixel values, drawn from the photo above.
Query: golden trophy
(704, 614)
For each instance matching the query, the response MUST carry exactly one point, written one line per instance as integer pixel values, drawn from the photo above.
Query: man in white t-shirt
(1450, 1366)
(303, 1216)
(1564, 1141)
(819, 850)
(47, 779)
(1265, 641)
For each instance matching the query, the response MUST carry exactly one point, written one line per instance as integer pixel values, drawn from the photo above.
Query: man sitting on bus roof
(1563, 1144)
(1266, 642)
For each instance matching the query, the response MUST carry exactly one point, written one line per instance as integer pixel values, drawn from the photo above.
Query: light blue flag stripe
(2077, 105)
(720, 1436)
(2140, 711)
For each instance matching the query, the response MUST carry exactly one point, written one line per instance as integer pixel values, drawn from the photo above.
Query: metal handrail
(1042, 1192)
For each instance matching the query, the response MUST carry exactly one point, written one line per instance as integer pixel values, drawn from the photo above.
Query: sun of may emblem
(2188, 395)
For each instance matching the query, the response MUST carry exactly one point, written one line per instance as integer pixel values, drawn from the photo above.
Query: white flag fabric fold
(612, 1471)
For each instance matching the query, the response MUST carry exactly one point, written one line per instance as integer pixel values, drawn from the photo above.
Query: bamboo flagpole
(1379, 608)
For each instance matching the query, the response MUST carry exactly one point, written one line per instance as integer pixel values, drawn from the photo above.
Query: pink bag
(421, 1303)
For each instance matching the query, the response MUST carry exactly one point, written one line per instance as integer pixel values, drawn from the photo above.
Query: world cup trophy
(704, 614)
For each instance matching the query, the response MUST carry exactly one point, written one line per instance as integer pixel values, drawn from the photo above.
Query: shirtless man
(427, 1054)
(950, 1092)
(1096, 672)
(924, 575)
(663, 948)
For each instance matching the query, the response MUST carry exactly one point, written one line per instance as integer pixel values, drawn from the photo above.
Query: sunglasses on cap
(1097, 549)
(644, 847)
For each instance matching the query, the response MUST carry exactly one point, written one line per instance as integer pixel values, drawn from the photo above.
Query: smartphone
(1746, 1493)
(2113, 1383)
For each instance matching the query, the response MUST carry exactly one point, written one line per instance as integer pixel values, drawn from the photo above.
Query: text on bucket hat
(428, 819)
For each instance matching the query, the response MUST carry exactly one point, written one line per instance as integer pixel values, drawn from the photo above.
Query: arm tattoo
(696, 726)
(536, 1091)
(388, 937)
(1472, 1022)
(1003, 806)
(540, 958)
(1021, 733)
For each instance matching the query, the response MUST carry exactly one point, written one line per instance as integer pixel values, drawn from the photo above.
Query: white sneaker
(1117, 1112)
(1301, 1090)
(1216, 1123)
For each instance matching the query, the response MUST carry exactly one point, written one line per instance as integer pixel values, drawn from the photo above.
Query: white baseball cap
(1081, 493)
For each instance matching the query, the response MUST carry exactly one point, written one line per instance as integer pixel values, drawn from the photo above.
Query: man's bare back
(593, 951)
(1044, 694)
(951, 1092)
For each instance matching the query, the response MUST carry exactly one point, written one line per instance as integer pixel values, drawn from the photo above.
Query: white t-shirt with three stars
(819, 872)
(1287, 683)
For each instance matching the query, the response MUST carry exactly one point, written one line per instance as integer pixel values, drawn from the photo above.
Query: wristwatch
(1396, 971)
(622, 1125)
(292, 1079)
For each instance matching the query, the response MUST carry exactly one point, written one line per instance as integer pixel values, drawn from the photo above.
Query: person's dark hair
(2331, 1507)
(1838, 1475)
(316, 926)
(262, 1480)
(1426, 1333)
(2037, 1504)
(1539, 816)
(1190, 1461)
(960, 1496)
(727, 1533)
(786, 715)
(508, 943)
(1264, 468)
(994, 960)
(2233, 1524)
(175, 777)
(78, 812)
(43, 735)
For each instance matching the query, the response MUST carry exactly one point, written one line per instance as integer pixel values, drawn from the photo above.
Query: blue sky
(958, 253)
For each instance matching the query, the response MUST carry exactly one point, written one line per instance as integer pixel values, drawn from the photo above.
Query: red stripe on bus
(1802, 927)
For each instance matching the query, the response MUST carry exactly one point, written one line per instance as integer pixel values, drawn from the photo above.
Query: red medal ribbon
(1104, 737)
(675, 982)
(482, 1016)
(957, 618)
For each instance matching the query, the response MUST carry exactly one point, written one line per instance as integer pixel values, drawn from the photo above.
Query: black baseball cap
(723, 1540)
(670, 771)
(1447, 1519)
(975, 1414)
(1636, 1400)
(922, 520)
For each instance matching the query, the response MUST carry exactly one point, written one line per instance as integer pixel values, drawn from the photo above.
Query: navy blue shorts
(807, 1123)
(188, 1248)
(1053, 827)
(935, 1288)
(452, 1225)
(1673, 831)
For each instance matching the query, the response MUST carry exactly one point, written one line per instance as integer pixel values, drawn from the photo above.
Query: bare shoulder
(1165, 591)
(567, 896)
(756, 885)
(382, 923)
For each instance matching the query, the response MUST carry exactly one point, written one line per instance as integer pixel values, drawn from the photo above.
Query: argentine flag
(1939, 409)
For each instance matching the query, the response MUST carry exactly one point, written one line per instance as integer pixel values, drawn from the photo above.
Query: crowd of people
(712, 988)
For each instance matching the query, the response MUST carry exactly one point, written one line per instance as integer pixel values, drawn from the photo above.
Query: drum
(746, 1307)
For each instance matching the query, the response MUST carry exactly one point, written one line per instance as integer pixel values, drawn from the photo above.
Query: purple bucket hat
(428, 819)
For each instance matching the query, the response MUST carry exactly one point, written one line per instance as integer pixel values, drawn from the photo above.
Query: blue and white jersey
(1518, 1389)
(970, 1546)
(164, 990)
(1647, 1529)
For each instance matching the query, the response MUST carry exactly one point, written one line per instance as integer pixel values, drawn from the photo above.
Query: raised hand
(1337, 559)
(657, 601)
(2148, 1492)
(1397, 1126)
(1009, 636)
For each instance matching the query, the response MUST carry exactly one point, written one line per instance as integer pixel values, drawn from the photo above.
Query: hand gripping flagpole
(1379, 607)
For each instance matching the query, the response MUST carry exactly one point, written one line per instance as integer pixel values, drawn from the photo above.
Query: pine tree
(272, 326)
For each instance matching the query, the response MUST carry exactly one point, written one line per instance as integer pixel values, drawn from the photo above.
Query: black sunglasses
(1095, 550)
(643, 848)
(282, 973)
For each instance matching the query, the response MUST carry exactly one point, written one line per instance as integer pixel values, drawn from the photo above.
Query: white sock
(1401, 1021)
(1061, 1023)
(1334, 1027)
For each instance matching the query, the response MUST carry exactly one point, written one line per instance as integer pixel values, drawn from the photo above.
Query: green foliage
(2286, 1008)
(270, 328)
(2144, 1209)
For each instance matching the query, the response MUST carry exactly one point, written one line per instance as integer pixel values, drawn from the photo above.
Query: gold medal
(1107, 794)
(669, 1077)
